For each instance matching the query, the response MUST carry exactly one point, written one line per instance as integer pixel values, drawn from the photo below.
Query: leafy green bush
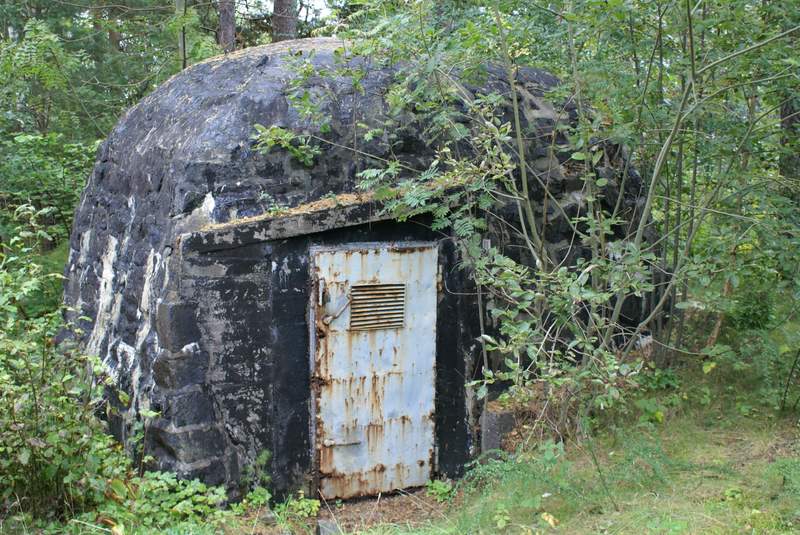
(752, 308)
(57, 463)
(53, 454)
(296, 509)
(257, 498)
(440, 490)
(653, 378)
(159, 499)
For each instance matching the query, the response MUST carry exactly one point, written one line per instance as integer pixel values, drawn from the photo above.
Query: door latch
(330, 317)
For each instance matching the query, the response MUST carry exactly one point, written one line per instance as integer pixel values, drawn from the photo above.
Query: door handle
(330, 443)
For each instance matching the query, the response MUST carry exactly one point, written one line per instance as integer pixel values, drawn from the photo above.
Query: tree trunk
(227, 26)
(789, 162)
(284, 20)
(115, 38)
(180, 11)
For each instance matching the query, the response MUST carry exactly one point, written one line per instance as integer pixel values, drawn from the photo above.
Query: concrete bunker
(363, 353)
(333, 337)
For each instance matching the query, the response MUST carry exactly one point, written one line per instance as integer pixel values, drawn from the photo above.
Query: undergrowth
(60, 472)
(702, 467)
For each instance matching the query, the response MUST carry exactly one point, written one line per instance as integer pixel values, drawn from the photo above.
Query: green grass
(705, 469)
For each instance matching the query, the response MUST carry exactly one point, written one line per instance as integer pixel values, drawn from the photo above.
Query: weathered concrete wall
(213, 377)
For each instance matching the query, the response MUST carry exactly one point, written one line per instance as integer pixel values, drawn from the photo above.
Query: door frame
(313, 250)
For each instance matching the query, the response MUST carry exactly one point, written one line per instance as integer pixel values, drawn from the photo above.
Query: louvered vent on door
(377, 306)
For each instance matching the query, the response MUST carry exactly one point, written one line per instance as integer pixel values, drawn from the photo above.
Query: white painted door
(374, 366)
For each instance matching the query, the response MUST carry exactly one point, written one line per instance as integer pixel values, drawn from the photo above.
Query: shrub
(296, 509)
(440, 490)
(57, 463)
(54, 456)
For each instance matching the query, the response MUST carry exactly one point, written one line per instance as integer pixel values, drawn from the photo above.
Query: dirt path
(402, 508)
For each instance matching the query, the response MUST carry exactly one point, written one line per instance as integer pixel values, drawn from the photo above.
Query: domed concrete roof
(184, 157)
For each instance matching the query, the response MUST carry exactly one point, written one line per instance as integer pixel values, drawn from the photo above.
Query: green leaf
(459, 131)
(119, 488)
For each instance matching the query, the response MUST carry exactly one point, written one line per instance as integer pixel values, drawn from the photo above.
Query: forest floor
(721, 465)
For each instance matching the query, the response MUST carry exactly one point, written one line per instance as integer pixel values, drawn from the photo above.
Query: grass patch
(704, 469)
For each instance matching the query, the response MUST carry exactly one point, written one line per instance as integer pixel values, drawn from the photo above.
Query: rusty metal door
(374, 349)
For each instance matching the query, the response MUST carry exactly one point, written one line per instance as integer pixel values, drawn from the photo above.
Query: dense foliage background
(704, 95)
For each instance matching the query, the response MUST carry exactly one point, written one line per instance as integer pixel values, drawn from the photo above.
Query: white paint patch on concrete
(126, 354)
(284, 273)
(143, 402)
(124, 248)
(71, 259)
(153, 260)
(190, 348)
(200, 216)
(141, 334)
(208, 205)
(132, 206)
(166, 263)
(85, 239)
(142, 146)
(115, 310)
(104, 299)
(143, 311)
